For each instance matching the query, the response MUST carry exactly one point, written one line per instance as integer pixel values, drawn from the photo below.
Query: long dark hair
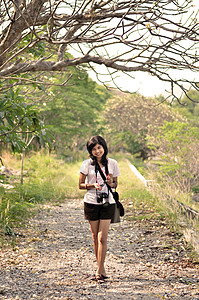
(93, 141)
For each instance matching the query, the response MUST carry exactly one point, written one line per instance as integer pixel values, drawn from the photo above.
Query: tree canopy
(20, 121)
(73, 115)
(157, 37)
(129, 119)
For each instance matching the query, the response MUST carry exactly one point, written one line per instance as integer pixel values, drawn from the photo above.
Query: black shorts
(94, 212)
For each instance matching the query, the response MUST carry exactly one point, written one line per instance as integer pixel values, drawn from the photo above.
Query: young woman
(98, 201)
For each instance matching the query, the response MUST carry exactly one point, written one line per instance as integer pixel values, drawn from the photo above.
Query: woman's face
(98, 151)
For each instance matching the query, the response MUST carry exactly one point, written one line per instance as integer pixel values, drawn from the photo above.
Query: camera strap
(103, 176)
(97, 168)
(101, 172)
(115, 194)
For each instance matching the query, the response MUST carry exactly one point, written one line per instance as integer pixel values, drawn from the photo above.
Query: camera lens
(99, 197)
(99, 200)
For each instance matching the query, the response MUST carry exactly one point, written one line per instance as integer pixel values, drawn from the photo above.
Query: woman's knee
(102, 238)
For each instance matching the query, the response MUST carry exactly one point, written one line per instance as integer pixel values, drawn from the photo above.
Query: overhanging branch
(128, 36)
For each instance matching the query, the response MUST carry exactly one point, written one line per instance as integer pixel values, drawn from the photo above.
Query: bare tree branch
(13, 130)
(144, 35)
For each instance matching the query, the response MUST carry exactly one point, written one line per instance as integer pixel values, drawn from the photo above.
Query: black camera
(102, 197)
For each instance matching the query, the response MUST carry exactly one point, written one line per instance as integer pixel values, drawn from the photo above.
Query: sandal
(104, 277)
(100, 278)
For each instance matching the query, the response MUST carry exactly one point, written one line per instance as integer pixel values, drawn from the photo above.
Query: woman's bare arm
(85, 186)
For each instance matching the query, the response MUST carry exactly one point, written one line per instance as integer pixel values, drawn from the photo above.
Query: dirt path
(55, 260)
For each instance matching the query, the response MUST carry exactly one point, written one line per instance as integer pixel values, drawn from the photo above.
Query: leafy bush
(18, 117)
(46, 179)
(176, 144)
(128, 119)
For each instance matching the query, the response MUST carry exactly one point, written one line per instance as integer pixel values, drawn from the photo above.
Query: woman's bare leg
(102, 245)
(99, 230)
(94, 226)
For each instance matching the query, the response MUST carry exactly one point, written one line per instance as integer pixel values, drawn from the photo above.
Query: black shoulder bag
(115, 194)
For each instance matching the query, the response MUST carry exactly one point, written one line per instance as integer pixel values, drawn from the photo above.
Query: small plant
(195, 189)
(47, 179)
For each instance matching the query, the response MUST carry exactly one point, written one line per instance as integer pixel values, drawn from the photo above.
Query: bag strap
(101, 172)
(103, 176)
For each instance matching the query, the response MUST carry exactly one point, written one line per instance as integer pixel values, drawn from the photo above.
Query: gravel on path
(55, 260)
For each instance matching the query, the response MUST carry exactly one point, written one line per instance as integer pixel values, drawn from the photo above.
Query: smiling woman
(99, 205)
(98, 152)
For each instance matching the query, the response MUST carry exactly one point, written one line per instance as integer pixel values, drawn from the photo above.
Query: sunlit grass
(46, 179)
(55, 180)
(139, 203)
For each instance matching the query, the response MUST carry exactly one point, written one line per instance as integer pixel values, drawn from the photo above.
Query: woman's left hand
(109, 179)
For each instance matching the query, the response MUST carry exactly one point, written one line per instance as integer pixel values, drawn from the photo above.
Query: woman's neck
(99, 162)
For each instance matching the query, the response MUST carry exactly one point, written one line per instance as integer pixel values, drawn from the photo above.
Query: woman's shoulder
(112, 161)
(85, 166)
(113, 167)
(87, 161)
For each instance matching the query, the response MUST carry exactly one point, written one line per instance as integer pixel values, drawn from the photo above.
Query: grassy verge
(51, 179)
(168, 194)
(46, 179)
(172, 200)
(153, 204)
(139, 201)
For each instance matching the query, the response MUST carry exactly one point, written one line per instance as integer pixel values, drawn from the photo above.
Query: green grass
(138, 163)
(138, 201)
(151, 203)
(51, 179)
(195, 189)
(48, 178)
(169, 196)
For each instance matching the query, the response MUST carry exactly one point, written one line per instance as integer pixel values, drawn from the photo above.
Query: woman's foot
(94, 277)
(100, 278)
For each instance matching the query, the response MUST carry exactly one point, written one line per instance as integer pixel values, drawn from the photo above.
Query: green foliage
(47, 179)
(38, 50)
(129, 118)
(175, 133)
(73, 114)
(17, 118)
(195, 189)
(190, 109)
(125, 141)
(183, 133)
(176, 143)
(13, 208)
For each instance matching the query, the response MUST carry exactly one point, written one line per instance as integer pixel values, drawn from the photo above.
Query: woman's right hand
(97, 186)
